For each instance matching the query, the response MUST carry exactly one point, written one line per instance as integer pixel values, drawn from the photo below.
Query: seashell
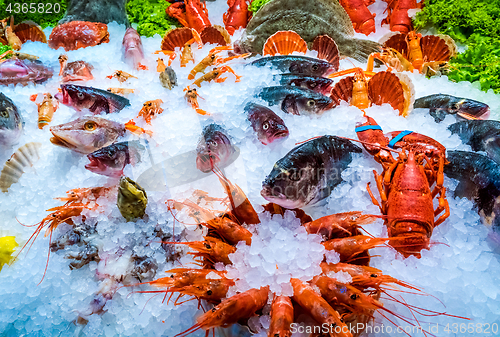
(434, 48)
(327, 50)
(29, 30)
(176, 38)
(25, 156)
(451, 44)
(396, 41)
(409, 93)
(342, 91)
(215, 35)
(284, 43)
(385, 87)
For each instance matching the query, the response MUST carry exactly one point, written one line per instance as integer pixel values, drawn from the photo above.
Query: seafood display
(257, 172)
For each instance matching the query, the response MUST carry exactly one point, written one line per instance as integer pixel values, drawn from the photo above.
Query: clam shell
(342, 91)
(327, 50)
(385, 87)
(24, 157)
(435, 48)
(396, 41)
(284, 43)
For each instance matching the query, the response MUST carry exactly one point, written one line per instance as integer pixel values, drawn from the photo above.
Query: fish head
(77, 71)
(268, 126)
(291, 183)
(213, 149)
(109, 161)
(11, 122)
(74, 96)
(312, 67)
(86, 134)
(244, 44)
(471, 109)
(309, 102)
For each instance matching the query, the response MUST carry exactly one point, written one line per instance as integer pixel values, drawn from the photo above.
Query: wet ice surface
(460, 272)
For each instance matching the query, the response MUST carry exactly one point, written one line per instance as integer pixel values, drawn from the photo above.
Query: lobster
(237, 16)
(190, 13)
(362, 19)
(405, 185)
(397, 14)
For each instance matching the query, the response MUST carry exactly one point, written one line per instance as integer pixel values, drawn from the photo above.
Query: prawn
(212, 250)
(340, 224)
(281, 317)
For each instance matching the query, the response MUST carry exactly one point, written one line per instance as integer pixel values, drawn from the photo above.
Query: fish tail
(364, 48)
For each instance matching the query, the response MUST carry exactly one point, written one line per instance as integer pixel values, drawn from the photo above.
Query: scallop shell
(385, 87)
(342, 91)
(29, 30)
(25, 156)
(176, 38)
(435, 48)
(396, 41)
(327, 50)
(409, 93)
(284, 43)
(215, 35)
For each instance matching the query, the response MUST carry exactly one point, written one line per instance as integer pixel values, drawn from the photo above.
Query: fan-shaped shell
(327, 50)
(176, 38)
(409, 93)
(215, 35)
(342, 91)
(24, 157)
(78, 34)
(396, 41)
(29, 30)
(385, 87)
(284, 43)
(434, 48)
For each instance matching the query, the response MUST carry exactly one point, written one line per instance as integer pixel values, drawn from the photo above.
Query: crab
(78, 34)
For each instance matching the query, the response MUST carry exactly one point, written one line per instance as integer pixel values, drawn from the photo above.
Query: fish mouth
(206, 161)
(279, 198)
(56, 140)
(280, 134)
(483, 113)
(95, 165)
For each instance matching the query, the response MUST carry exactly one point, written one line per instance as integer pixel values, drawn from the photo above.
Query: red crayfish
(190, 13)
(237, 16)
(405, 184)
(397, 14)
(362, 19)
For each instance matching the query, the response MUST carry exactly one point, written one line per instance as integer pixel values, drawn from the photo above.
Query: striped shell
(342, 91)
(436, 48)
(327, 49)
(215, 35)
(26, 156)
(176, 38)
(30, 31)
(385, 87)
(284, 43)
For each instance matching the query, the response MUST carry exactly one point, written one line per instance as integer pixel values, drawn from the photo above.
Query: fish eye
(353, 297)
(213, 143)
(110, 153)
(4, 114)
(311, 103)
(312, 85)
(209, 292)
(80, 95)
(90, 126)
(315, 67)
(265, 126)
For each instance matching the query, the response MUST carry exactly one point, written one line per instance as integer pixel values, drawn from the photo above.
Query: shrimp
(121, 91)
(192, 98)
(151, 108)
(194, 282)
(281, 317)
(318, 308)
(214, 75)
(212, 250)
(340, 224)
(241, 207)
(46, 109)
(231, 310)
(121, 76)
(212, 60)
(229, 230)
(78, 195)
(160, 67)
(187, 54)
(352, 246)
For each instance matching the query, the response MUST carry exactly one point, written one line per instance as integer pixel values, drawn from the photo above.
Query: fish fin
(364, 48)
(115, 102)
(434, 48)
(385, 87)
(215, 35)
(176, 38)
(289, 105)
(284, 43)
(342, 91)
(100, 104)
(327, 50)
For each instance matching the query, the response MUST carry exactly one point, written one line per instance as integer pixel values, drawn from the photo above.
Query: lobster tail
(385, 87)
(176, 38)
(437, 48)
(215, 35)
(284, 43)
(327, 50)
(342, 91)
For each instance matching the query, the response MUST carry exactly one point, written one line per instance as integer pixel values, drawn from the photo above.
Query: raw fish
(267, 125)
(297, 100)
(11, 122)
(297, 65)
(133, 53)
(214, 148)
(111, 160)
(319, 84)
(440, 105)
(96, 100)
(481, 135)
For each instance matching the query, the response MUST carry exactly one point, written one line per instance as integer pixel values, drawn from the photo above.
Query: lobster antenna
(371, 144)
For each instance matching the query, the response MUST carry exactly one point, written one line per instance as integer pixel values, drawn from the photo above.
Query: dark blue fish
(309, 172)
(441, 105)
(297, 65)
(319, 84)
(297, 100)
(111, 160)
(481, 135)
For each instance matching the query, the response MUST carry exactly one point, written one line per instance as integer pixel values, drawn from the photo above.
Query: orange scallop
(284, 43)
